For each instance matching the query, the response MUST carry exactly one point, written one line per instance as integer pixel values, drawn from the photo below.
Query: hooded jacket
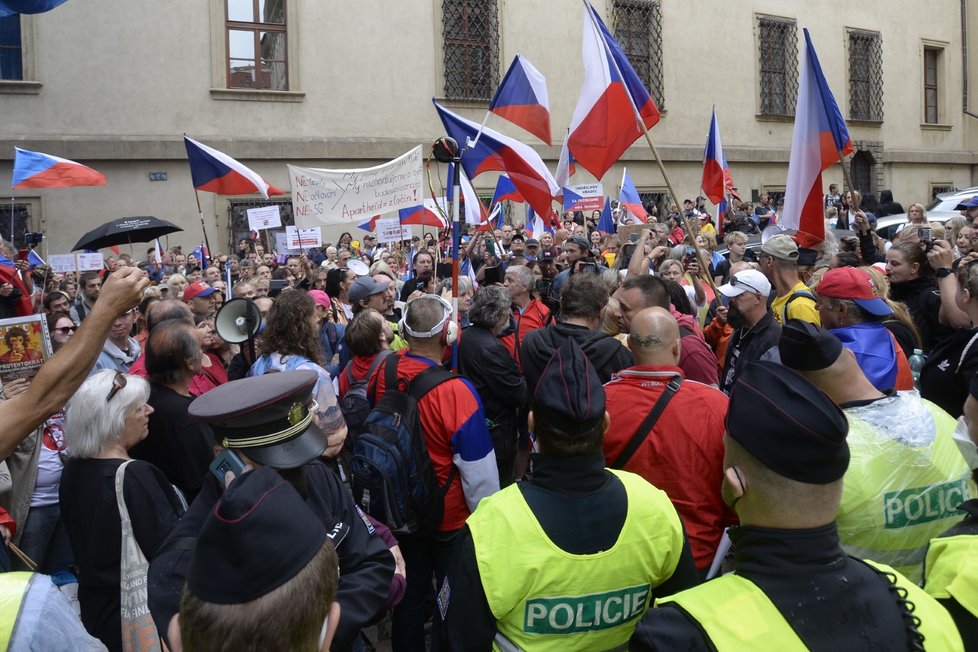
(603, 351)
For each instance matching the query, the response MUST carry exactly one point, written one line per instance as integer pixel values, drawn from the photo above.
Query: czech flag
(506, 190)
(606, 224)
(716, 174)
(605, 123)
(537, 226)
(629, 198)
(475, 211)
(37, 170)
(522, 99)
(571, 200)
(494, 151)
(33, 259)
(495, 220)
(371, 224)
(819, 137)
(565, 165)
(424, 215)
(216, 172)
(200, 253)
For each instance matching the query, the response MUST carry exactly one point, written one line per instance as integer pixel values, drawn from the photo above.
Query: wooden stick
(23, 557)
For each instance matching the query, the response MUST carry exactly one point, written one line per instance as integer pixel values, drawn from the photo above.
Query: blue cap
(965, 205)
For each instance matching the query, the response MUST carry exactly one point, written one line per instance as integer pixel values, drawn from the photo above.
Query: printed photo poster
(24, 346)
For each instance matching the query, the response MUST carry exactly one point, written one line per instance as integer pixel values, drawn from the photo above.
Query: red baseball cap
(198, 289)
(854, 285)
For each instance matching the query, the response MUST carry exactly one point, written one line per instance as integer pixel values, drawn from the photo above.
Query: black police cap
(569, 395)
(807, 347)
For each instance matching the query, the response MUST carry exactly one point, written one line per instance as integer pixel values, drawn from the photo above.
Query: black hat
(569, 394)
(518, 236)
(268, 418)
(806, 256)
(259, 535)
(788, 424)
(807, 347)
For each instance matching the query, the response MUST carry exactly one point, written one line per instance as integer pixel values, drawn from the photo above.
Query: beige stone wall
(120, 83)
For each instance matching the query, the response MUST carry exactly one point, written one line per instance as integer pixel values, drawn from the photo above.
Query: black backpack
(354, 405)
(391, 474)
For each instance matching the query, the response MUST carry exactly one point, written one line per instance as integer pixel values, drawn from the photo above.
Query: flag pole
(200, 213)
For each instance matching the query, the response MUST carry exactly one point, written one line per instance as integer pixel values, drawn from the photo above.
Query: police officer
(269, 421)
(794, 587)
(571, 559)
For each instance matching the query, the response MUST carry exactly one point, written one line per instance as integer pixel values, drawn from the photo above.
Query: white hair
(91, 420)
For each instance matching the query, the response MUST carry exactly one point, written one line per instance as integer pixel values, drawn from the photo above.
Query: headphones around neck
(446, 329)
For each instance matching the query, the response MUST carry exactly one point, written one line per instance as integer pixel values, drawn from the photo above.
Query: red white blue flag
(630, 199)
(819, 137)
(565, 165)
(506, 190)
(494, 151)
(522, 99)
(717, 181)
(214, 171)
(37, 170)
(606, 223)
(605, 121)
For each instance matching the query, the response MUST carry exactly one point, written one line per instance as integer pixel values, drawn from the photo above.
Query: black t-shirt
(177, 445)
(946, 377)
(91, 517)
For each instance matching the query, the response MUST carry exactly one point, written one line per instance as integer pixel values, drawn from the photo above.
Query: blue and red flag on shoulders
(629, 198)
(819, 138)
(522, 99)
(37, 170)
(494, 151)
(214, 171)
(605, 121)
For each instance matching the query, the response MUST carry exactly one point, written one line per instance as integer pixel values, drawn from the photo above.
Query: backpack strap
(423, 383)
(390, 377)
(794, 295)
(645, 428)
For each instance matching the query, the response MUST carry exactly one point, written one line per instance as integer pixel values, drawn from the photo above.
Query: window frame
(652, 72)
(869, 110)
(790, 69)
(28, 83)
(943, 122)
(448, 67)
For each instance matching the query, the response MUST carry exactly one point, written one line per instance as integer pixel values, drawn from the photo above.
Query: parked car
(940, 210)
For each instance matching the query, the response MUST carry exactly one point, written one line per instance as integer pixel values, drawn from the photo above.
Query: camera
(926, 235)
(33, 239)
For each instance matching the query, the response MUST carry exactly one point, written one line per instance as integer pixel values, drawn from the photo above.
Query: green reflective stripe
(584, 613)
(951, 570)
(12, 588)
(917, 505)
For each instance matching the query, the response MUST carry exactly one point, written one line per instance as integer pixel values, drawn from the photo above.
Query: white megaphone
(771, 231)
(238, 321)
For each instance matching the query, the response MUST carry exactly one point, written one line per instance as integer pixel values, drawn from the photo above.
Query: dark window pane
(11, 59)
(271, 11)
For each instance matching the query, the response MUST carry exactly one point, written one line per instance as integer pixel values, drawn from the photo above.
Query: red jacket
(683, 455)
(534, 317)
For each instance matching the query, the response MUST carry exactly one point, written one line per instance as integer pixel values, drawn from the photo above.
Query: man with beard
(756, 333)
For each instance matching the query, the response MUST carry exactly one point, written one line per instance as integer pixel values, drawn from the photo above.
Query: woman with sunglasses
(105, 418)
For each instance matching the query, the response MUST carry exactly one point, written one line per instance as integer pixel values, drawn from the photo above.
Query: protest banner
(390, 230)
(591, 197)
(24, 346)
(296, 238)
(264, 217)
(323, 197)
(90, 262)
(62, 263)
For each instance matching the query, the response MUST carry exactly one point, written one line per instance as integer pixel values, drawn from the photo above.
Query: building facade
(270, 82)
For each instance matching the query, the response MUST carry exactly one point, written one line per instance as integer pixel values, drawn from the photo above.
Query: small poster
(266, 217)
(90, 262)
(297, 238)
(390, 230)
(62, 263)
(24, 346)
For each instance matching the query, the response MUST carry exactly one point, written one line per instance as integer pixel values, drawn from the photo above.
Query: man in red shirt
(683, 452)
(456, 435)
(529, 313)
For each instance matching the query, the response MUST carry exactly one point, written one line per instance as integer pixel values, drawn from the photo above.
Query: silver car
(940, 210)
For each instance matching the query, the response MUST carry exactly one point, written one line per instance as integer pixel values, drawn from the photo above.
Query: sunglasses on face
(66, 330)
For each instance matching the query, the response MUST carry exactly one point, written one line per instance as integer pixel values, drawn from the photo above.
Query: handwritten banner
(321, 197)
(265, 217)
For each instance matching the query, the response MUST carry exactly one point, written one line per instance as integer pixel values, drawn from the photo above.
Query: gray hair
(92, 421)
(490, 304)
(523, 275)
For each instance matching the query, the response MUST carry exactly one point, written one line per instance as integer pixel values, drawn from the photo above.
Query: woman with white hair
(105, 418)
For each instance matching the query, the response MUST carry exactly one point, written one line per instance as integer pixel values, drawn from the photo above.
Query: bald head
(654, 337)
(162, 311)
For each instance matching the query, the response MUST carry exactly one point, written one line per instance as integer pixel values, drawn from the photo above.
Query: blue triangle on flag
(571, 198)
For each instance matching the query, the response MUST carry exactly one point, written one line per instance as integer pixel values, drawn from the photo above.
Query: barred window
(778, 45)
(637, 25)
(257, 52)
(865, 76)
(471, 32)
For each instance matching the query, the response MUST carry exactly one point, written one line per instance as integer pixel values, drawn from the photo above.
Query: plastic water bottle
(916, 364)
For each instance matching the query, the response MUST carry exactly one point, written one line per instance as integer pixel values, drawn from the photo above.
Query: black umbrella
(126, 230)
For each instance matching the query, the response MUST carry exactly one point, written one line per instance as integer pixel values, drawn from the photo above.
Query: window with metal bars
(11, 50)
(932, 62)
(257, 52)
(778, 50)
(471, 50)
(238, 217)
(638, 29)
(865, 76)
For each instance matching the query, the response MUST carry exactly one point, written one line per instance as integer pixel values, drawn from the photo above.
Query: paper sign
(62, 263)
(90, 262)
(296, 238)
(281, 244)
(390, 230)
(352, 196)
(591, 197)
(266, 217)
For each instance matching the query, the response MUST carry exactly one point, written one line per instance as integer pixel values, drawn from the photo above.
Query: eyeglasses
(736, 282)
(65, 330)
(118, 382)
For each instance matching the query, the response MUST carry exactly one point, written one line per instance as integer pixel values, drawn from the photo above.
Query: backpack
(354, 404)
(391, 474)
(794, 295)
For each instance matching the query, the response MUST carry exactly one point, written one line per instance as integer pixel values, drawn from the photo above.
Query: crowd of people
(634, 415)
